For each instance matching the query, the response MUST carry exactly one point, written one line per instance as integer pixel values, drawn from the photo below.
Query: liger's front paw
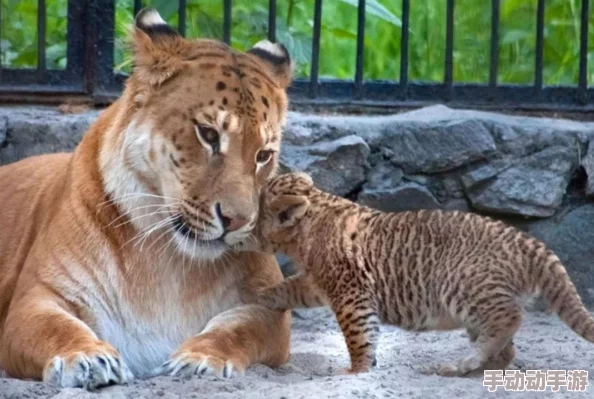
(200, 363)
(89, 369)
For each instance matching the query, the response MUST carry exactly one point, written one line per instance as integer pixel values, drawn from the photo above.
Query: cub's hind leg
(501, 360)
(496, 322)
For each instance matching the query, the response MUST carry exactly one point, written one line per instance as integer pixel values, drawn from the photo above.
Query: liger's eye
(263, 156)
(209, 136)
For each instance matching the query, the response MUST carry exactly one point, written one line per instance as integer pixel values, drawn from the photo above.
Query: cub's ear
(277, 60)
(303, 178)
(289, 208)
(158, 48)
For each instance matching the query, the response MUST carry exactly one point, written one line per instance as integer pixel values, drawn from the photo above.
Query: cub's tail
(557, 288)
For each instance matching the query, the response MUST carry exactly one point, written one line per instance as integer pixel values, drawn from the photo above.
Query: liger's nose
(231, 223)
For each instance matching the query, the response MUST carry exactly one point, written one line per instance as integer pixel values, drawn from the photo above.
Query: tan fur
(425, 270)
(97, 281)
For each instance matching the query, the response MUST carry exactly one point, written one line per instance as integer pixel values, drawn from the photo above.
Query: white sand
(405, 365)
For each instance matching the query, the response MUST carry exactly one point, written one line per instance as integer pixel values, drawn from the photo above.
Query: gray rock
(406, 197)
(383, 175)
(444, 186)
(484, 172)
(535, 186)
(33, 131)
(588, 165)
(285, 264)
(3, 129)
(516, 135)
(337, 166)
(571, 237)
(432, 148)
(521, 137)
(457, 205)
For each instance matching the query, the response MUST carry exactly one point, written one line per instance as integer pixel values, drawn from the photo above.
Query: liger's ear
(277, 60)
(150, 22)
(158, 48)
(289, 208)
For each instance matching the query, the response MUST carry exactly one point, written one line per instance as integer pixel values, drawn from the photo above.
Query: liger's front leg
(239, 337)
(233, 341)
(42, 339)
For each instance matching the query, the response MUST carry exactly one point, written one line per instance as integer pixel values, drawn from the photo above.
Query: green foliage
(339, 36)
(19, 33)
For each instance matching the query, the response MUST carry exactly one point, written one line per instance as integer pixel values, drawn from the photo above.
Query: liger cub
(423, 270)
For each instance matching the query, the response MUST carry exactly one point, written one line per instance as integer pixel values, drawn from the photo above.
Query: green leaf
(514, 36)
(167, 8)
(374, 8)
(340, 33)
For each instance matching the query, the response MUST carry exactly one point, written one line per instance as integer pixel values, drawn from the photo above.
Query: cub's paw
(260, 297)
(448, 370)
(88, 369)
(200, 363)
(453, 370)
(249, 296)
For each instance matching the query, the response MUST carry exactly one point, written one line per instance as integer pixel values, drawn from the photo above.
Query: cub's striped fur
(424, 270)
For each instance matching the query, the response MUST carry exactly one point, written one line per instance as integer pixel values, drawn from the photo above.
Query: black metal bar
(227, 21)
(76, 35)
(137, 7)
(101, 41)
(315, 49)
(448, 78)
(494, 63)
(360, 48)
(504, 96)
(404, 46)
(583, 73)
(41, 30)
(57, 79)
(181, 17)
(272, 20)
(540, 12)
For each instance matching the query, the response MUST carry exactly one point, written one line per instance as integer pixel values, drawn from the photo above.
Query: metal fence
(90, 65)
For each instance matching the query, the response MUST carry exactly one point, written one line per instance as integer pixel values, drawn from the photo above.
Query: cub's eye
(209, 136)
(264, 156)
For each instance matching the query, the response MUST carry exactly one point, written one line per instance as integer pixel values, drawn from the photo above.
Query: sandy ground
(406, 362)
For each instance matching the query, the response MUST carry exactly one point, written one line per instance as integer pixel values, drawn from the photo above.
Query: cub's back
(425, 248)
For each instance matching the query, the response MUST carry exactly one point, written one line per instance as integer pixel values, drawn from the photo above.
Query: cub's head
(194, 136)
(282, 222)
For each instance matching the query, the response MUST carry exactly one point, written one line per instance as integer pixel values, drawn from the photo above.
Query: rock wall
(535, 173)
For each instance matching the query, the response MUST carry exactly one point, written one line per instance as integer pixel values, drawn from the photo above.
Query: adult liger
(113, 259)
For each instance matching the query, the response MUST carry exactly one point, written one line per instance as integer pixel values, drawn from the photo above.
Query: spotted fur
(423, 270)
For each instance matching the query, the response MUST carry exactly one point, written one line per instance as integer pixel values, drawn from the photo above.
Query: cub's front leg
(295, 292)
(239, 337)
(42, 339)
(358, 319)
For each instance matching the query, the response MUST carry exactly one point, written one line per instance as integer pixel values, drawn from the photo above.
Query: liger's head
(197, 136)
